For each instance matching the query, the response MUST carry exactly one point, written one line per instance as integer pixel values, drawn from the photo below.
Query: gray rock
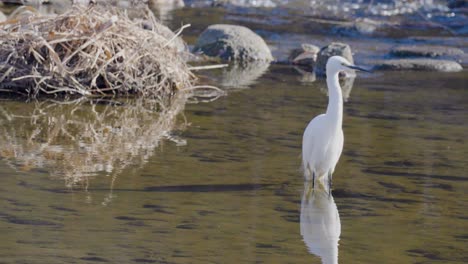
(232, 43)
(419, 65)
(333, 49)
(425, 51)
(306, 55)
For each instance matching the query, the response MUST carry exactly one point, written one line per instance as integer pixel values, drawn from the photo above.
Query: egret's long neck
(335, 99)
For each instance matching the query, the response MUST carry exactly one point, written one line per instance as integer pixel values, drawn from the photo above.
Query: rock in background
(333, 49)
(422, 58)
(419, 64)
(425, 51)
(232, 43)
(305, 56)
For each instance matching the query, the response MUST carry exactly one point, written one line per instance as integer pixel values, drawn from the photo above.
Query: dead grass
(91, 51)
(99, 54)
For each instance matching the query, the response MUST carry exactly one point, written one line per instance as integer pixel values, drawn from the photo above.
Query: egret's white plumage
(323, 138)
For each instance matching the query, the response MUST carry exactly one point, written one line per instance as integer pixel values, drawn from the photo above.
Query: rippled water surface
(234, 193)
(220, 181)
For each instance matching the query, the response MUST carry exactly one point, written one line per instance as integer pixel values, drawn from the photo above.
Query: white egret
(322, 142)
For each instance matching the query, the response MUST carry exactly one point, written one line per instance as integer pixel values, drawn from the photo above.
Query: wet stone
(232, 43)
(419, 65)
(306, 55)
(333, 49)
(425, 51)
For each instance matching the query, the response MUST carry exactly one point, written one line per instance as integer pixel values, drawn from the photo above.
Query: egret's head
(338, 64)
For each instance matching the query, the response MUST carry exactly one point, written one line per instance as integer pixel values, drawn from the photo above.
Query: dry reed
(91, 51)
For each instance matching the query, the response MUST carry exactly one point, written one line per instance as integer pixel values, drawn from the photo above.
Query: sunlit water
(220, 182)
(234, 192)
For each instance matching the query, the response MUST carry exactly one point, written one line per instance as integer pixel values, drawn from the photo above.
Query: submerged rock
(419, 65)
(232, 43)
(333, 49)
(425, 51)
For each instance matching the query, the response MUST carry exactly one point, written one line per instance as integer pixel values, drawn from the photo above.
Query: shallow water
(234, 192)
(220, 182)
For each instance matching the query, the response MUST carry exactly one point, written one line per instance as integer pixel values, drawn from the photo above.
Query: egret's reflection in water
(320, 223)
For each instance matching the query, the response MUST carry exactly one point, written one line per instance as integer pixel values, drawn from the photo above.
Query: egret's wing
(309, 139)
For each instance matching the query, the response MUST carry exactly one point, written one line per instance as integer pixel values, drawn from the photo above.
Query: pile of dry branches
(90, 51)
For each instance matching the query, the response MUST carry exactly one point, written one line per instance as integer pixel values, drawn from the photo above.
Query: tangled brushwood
(91, 51)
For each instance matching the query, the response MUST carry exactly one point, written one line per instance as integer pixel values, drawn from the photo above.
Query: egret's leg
(329, 183)
(313, 180)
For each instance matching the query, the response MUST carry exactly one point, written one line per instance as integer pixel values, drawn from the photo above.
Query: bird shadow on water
(320, 223)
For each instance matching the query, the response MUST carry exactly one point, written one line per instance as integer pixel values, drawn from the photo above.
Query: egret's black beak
(354, 67)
